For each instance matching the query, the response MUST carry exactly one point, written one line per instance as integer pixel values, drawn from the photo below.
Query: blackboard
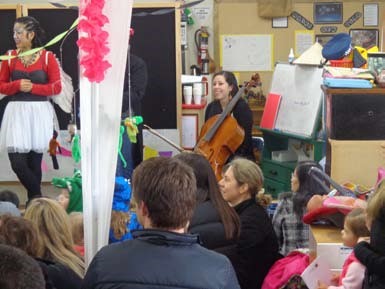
(54, 22)
(154, 41)
(300, 88)
(7, 18)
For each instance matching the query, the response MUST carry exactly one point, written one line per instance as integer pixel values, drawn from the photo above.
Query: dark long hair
(208, 189)
(308, 187)
(32, 25)
(230, 79)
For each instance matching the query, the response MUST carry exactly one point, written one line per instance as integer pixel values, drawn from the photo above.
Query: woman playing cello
(225, 87)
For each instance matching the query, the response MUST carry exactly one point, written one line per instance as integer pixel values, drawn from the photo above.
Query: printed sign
(302, 20)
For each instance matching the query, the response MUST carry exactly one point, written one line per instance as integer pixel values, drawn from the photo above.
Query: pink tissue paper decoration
(93, 40)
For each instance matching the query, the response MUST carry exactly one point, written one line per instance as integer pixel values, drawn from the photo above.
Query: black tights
(27, 167)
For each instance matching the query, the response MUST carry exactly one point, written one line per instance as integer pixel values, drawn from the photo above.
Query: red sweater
(52, 87)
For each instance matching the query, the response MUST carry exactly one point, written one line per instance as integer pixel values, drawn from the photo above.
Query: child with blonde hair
(55, 241)
(353, 271)
(372, 254)
(77, 227)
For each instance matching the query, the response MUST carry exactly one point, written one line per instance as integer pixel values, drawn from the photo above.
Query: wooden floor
(48, 190)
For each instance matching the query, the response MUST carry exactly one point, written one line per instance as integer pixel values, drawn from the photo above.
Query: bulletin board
(247, 52)
(241, 18)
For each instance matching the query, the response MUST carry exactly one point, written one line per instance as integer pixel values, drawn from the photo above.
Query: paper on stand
(318, 270)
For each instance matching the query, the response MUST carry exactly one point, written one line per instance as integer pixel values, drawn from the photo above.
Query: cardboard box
(356, 161)
(326, 241)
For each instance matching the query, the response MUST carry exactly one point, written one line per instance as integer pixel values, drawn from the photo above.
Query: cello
(221, 134)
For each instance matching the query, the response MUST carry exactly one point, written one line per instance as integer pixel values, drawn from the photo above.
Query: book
(270, 111)
(318, 270)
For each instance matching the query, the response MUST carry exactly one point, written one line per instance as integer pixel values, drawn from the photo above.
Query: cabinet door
(356, 116)
(277, 171)
(274, 188)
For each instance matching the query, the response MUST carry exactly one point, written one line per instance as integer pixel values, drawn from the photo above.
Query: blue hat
(337, 47)
(122, 195)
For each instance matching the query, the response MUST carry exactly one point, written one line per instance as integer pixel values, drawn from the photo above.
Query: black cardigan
(372, 255)
(257, 247)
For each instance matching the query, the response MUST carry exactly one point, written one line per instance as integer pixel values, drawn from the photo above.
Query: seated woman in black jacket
(257, 247)
(214, 220)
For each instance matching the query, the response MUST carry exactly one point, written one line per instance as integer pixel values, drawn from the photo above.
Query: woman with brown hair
(257, 247)
(214, 220)
(55, 241)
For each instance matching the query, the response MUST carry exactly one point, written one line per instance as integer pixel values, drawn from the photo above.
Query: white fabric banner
(100, 112)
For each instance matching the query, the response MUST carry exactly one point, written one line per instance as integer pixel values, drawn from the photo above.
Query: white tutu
(26, 126)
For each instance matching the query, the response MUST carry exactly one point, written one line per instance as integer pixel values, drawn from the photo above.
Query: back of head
(204, 174)
(248, 172)
(8, 208)
(308, 187)
(77, 227)
(55, 241)
(230, 79)
(19, 232)
(376, 203)
(208, 189)
(167, 190)
(32, 25)
(18, 270)
(9, 196)
(356, 220)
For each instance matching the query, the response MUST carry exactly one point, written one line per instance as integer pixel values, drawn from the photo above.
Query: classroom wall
(241, 17)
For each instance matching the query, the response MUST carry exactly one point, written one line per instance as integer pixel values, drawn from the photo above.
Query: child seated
(353, 271)
(76, 220)
(123, 220)
(71, 198)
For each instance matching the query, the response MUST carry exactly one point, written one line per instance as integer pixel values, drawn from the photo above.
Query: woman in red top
(28, 81)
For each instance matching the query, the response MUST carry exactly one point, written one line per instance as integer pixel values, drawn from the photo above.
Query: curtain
(100, 112)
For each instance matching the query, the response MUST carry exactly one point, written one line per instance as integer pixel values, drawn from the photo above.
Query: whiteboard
(300, 88)
(247, 52)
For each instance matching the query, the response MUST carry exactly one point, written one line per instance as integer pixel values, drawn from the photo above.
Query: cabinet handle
(274, 173)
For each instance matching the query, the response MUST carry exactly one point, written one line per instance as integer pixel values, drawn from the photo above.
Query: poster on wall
(247, 52)
(370, 14)
(328, 12)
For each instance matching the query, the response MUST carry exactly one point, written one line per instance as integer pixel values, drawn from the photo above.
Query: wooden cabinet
(257, 111)
(278, 173)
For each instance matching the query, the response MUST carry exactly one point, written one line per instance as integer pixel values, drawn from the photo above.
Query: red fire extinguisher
(202, 43)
